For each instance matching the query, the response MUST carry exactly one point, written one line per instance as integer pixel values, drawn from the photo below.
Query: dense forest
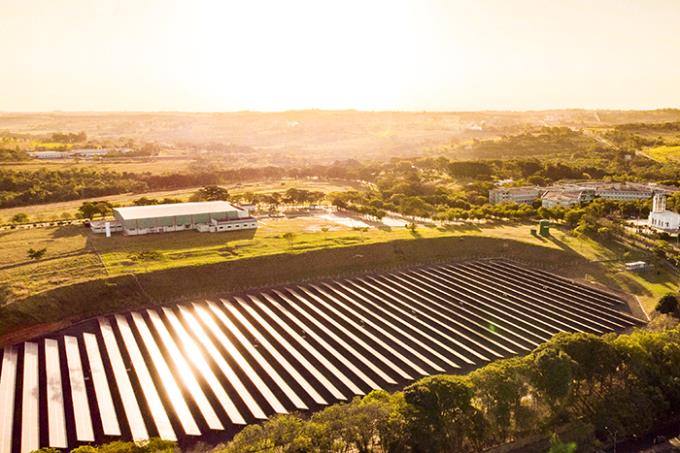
(546, 141)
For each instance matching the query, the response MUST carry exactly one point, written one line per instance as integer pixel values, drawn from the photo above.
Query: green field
(664, 153)
(53, 211)
(152, 165)
(193, 248)
(76, 255)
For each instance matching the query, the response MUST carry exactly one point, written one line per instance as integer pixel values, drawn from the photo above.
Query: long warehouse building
(208, 216)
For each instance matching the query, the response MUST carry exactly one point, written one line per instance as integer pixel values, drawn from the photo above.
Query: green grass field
(192, 248)
(75, 255)
(648, 287)
(152, 165)
(664, 153)
(53, 211)
(83, 275)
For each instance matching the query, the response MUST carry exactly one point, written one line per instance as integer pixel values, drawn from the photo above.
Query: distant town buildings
(85, 153)
(570, 194)
(662, 219)
(209, 216)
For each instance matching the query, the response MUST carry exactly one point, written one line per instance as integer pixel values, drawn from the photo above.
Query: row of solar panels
(202, 371)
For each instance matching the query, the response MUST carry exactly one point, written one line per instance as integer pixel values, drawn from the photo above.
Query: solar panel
(208, 369)
(56, 418)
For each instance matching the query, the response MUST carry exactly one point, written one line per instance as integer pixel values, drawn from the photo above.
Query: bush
(145, 255)
(668, 304)
(36, 254)
(20, 218)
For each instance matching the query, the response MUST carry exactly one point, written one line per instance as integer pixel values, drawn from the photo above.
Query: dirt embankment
(51, 310)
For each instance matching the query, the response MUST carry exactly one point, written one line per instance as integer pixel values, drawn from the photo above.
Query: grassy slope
(648, 287)
(89, 298)
(664, 153)
(74, 254)
(195, 265)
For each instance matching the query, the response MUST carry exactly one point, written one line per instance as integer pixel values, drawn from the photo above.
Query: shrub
(36, 254)
(668, 304)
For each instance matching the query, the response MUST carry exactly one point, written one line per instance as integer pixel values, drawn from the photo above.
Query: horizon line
(558, 109)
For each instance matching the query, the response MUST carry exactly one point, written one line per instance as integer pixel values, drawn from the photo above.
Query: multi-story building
(624, 191)
(566, 198)
(526, 194)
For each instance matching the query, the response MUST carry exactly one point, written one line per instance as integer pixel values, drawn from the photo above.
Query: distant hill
(320, 134)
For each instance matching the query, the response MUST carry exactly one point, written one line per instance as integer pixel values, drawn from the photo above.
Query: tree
(573, 216)
(289, 236)
(499, 388)
(90, 209)
(144, 201)
(19, 218)
(557, 446)
(441, 416)
(391, 422)
(668, 304)
(151, 446)
(281, 433)
(36, 254)
(211, 193)
(552, 376)
(415, 206)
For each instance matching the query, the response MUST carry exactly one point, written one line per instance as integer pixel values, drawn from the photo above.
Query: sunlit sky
(227, 55)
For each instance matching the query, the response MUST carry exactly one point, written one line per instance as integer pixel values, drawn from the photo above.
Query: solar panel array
(202, 371)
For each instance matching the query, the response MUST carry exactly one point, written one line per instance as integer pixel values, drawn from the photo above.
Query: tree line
(432, 179)
(615, 387)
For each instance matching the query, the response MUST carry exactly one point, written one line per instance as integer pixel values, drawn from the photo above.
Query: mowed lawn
(75, 254)
(286, 235)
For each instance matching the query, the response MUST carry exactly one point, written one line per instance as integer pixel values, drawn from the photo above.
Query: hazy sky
(226, 55)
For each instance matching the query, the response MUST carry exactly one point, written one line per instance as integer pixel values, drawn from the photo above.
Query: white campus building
(208, 216)
(662, 219)
(526, 194)
(566, 198)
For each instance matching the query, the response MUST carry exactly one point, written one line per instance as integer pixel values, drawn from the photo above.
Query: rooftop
(562, 196)
(175, 209)
(516, 189)
(665, 215)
